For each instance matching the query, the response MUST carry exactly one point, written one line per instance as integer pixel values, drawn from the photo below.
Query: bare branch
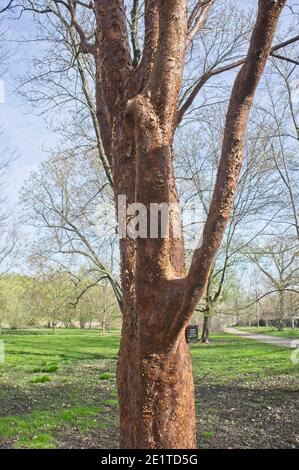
(7, 6)
(213, 72)
(151, 35)
(85, 46)
(231, 158)
(198, 17)
(287, 59)
(134, 32)
(269, 293)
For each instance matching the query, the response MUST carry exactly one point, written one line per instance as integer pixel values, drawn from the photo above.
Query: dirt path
(278, 341)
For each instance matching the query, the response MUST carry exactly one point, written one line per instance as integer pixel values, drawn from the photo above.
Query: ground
(58, 391)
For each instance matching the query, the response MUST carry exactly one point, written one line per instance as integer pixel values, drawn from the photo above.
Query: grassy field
(59, 391)
(268, 330)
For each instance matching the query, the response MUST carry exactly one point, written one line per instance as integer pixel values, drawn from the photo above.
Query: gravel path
(278, 341)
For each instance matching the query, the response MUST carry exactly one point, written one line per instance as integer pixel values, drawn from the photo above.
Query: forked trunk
(137, 113)
(156, 395)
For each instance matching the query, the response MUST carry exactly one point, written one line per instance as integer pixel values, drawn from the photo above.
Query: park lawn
(59, 391)
(268, 330)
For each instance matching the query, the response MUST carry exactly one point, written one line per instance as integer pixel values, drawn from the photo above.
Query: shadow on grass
(69, 356)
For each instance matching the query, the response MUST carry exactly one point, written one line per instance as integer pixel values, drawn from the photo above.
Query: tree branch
(287, 59)
(268, 293)
(193, 286)
(7, 6)
(213, 72)
(198, 17)
(134, 32)
(113, 52)
(166, 77)
(85, 46)
(151, 35)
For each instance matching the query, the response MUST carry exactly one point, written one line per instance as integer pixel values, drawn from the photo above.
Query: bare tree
(277, 260)
(69, 204)
(197, 164)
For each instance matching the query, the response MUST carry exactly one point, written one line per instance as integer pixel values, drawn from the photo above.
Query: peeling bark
(137, 112)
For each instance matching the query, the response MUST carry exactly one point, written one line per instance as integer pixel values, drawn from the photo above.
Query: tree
(280, 116)
(277, 260)
(96, 303)
(14, 289)
(66, 200)
(197, 166)
(137, 111)
(54, 293)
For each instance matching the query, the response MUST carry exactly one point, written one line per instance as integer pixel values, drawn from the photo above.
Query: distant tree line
(54, 299)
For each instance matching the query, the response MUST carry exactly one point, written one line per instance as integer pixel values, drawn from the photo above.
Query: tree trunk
(205, 336)
(281, 305)
(156, 395)
(137, 115)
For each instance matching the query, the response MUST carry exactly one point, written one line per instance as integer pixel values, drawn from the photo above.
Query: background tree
(197, 169)
(70, 205)
(278, 262)
(277, 119)
(97, 306)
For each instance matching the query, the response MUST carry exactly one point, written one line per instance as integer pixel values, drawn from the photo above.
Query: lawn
(59, 391)
(268, 330)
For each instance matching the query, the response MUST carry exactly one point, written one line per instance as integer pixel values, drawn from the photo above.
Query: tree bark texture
(137, 114)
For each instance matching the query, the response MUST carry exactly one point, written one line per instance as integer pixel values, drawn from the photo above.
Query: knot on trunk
(141, 115)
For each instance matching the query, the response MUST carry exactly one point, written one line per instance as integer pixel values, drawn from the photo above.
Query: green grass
(81, 365)
(207, 434)
(229, 358)
(110, 402)
(38, 441)
(41, 379)
(105, 376)
(268, 330)
(49, 369)
(33, 425)
(79, 396)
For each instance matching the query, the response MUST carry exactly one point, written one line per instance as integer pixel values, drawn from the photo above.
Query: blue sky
(25, 132)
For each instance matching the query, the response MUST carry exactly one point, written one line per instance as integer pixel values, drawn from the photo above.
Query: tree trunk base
(156, 394)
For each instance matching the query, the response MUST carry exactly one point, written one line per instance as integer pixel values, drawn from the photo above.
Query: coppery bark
(136, 108)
